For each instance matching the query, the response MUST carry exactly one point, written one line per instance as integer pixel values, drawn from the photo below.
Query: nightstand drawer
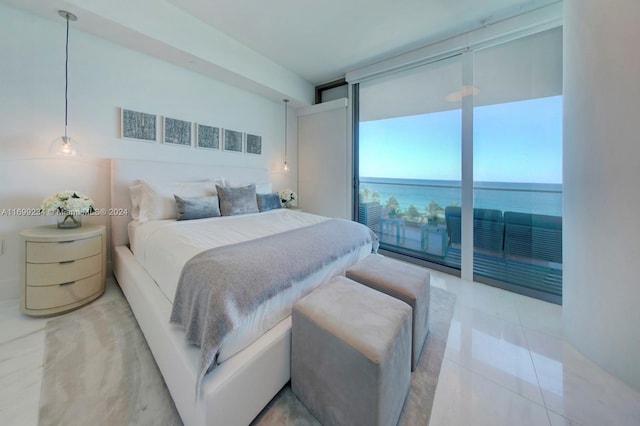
(39, 274)
(59, 295)
(63, 251)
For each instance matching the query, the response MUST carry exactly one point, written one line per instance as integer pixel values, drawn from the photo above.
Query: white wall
(324, 176)
(102, 78)
(601, 206)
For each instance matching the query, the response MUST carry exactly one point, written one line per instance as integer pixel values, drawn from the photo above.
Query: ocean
(538, 198)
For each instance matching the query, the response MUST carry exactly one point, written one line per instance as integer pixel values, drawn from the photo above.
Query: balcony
(521, 248)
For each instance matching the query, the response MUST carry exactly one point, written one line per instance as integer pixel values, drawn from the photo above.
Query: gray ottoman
(406, 282)
(350, 353)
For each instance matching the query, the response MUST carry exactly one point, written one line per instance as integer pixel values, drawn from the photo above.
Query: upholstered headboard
(125, 172)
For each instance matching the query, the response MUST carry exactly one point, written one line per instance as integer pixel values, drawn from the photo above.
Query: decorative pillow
(234, 201)
(155, 199)
(268, 202)
(197, 207)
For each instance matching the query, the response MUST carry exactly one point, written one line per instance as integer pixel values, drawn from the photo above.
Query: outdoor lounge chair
(488, 229)
(533, 236)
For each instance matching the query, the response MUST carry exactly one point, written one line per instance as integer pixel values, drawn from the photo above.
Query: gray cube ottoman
(350, 354)
(406, 282)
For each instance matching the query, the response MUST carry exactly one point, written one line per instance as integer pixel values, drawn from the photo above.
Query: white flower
(287, 196)
(67, 202)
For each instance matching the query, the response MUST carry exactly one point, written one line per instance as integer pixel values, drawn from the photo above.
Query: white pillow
(135, 192)
(154, 200)
(264, 188)
(261, 187)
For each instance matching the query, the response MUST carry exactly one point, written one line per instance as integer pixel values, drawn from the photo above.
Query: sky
(513, 142)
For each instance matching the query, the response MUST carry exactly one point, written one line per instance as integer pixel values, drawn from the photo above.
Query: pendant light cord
(285, 130)
(66, 81)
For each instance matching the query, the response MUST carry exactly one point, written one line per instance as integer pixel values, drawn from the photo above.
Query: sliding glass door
(517, 163)
(409, 162)
(409, 157)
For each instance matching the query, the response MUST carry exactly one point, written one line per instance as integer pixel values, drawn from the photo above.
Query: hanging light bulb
(286, 166)
(65, 146)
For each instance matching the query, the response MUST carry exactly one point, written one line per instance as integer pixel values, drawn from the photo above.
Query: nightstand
(62, 269)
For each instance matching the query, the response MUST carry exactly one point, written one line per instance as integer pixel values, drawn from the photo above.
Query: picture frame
(208, 137)
(253, 144)
(138, 125)
(176, 132)
(233, 141)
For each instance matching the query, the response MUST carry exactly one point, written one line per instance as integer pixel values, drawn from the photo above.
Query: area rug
(98, 370)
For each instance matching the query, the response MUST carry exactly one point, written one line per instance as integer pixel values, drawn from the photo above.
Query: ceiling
(311, 42)
(322, 40)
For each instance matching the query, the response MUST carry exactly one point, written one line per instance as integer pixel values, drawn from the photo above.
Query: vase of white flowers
(69, 221)
(287, 196)
(68, 206)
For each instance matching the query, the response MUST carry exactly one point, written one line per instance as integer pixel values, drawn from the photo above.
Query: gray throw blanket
(220, 287)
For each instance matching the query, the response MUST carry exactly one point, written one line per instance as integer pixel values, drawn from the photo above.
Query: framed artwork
(177, 132)
(232, 141)
(138, 125)
(254, 144)
(208, 137)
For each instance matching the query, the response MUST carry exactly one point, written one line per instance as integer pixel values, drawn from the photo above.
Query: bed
(251, 369)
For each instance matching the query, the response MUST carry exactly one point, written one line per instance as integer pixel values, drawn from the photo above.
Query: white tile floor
(506, 363)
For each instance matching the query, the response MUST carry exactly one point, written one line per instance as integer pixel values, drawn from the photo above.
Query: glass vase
(69, 221)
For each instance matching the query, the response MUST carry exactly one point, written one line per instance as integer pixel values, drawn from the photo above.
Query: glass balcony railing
(408, 215)
(517, 227)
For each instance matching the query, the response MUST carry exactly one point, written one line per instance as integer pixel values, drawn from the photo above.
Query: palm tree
(365, 193)
(392, 206)
(435, 212)
(413, 214)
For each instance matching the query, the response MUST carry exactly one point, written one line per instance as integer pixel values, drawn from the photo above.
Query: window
(517, 163)
(409, 157)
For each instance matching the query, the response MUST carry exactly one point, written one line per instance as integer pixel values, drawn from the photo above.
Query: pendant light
(65, 146)
(286, 166)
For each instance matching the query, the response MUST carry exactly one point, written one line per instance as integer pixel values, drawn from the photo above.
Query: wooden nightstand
(62, 269)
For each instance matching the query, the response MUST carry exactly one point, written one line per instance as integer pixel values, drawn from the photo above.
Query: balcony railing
(517, 245)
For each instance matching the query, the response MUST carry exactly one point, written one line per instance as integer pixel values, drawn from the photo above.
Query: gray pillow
(196, 207)
(268, 202)
(237, 200)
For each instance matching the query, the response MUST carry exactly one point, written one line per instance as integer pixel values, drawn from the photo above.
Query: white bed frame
(238, 389)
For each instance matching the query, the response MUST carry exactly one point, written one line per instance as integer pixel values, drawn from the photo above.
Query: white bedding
(163, 247)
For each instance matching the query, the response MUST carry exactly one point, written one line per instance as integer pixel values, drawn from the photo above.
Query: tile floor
(506, 363)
